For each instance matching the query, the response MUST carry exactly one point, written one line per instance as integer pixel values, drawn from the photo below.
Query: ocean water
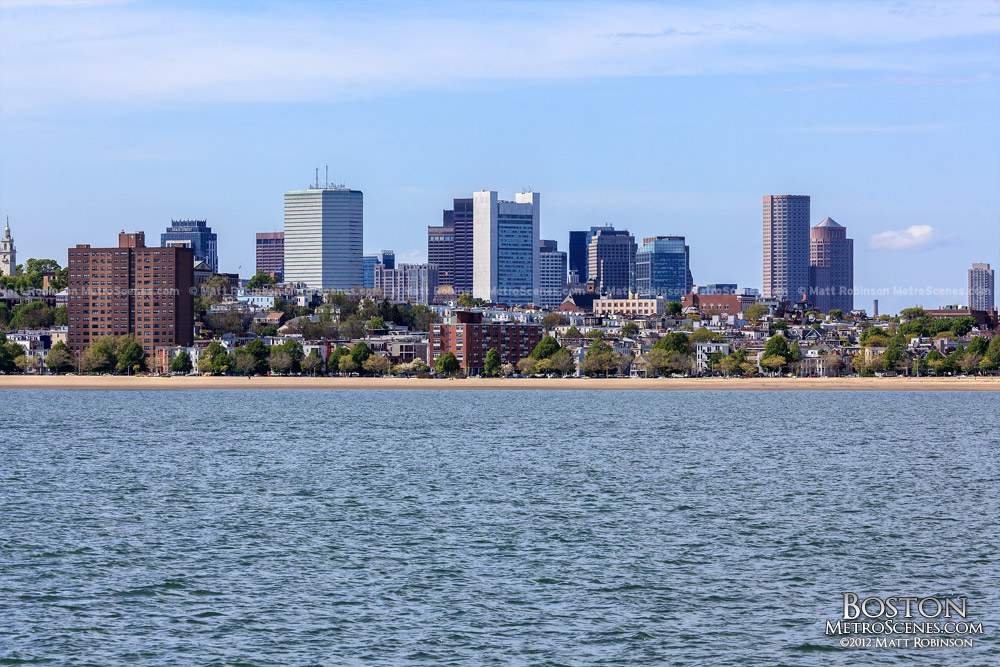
(469, 528)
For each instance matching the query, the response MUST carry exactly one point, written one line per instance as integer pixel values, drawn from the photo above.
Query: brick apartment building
(469, 338)
(131, 289)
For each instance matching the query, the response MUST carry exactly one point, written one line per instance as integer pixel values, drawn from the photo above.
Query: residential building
(552, 274)
(194, 234)
(786, 247)
(704, 352)
(725, 304)
(324, 229)
(416, 283)
(505, 247)
(611, 261)
(460, 219)
(441, 252)
(271, 254)
(8, 253)
(663, 268)
(831, 267)
(982, 292)
(469, 337)
(631, 307)
(131, 289)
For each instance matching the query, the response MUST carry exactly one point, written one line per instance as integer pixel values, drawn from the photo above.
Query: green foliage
(630, 329)
(600, 359)
(60, 358)
(779, 325)
(705, 335)
(132, 358)
(377, 364)
(360, 353)
(562, 362)
(312, 363)
(261, 280)
(755, 312)
(346, 364)
(572, 332)
(29, 276)
(674, 308)
(553, 320)
(9, 351)
(836, 314)
(491, 366)
(913, 313)
(181, 363)
(594, 334)
(447, 364)
(375, 323)
(675, 341)
(545, 348)
(928, 327)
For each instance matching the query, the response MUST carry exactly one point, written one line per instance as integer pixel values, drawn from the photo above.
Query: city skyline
(889, 122)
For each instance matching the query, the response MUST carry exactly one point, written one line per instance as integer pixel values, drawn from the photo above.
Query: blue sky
(663, 118)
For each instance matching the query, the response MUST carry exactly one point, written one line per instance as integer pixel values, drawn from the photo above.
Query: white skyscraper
(8, 254)
(981, 287)
(551, 275)
(324, 233)
(505, 247)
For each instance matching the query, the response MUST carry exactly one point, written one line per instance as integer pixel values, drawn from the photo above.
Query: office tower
(271, 253)
(8, 253)
(663, 268)
(578, 255)
(505, 247)
(415, 283)
(831, 267)
(611, 261)
(194, 234)
(324, 229)
(131, 289)
(981, 287)
(441, 251)
(786, 247)
(460, 220)
(369, 262)
(551, 274)
(387, 258)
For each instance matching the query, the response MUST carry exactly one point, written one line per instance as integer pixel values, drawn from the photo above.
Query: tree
(774, 363)
(674, 308)
(777, 346)
(244, 362)
(553, 320)
(180, 363)
(507, 370)
(630, 329)
(572, 332)
(346, 364)
(377, 364)
(835, 315)
(491, 366)
(60, 358)
(447, 364)
(375, 323)
(527, 366)
(360, 353)
(600, 359)
(260, 280)
(312, 362)
(545, 348)
(280, 360)
(424, 317)
(594, 334)
(675, 341)
(562, 362)
(465, 300)
(132, 359)
(352, 328)
(755, 312)
(213, 289)
(293, 349)
(912, 313)
(705, 335)
(259, 352)
(26, 363)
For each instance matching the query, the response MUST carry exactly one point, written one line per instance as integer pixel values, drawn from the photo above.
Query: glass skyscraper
(324, 230)
(663, 268)
(505, 248)
(194, 234)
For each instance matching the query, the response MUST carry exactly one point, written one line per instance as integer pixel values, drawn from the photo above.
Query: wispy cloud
(916, 237)
(139, 55)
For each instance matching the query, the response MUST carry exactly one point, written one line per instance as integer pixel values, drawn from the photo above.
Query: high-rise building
(8, 253)
(416, 283)
(831, 267)
(441, 251)
(271, 253)
(194, 234)
(387, 258)
(131, 289)
(369, 262)
(982, 293)
(578, 255)
(324, 230)
(786, 247)
(505, 247)
(663, 268)
(611, 261)
(460, 220)
(551, 274)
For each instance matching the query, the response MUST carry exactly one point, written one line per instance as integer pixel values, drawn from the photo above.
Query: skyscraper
(505, 247)
(369, 262)
(460, 219)
(324, 230)
(194, 234)
(271, 253)
(982, 292)
(611, 261)
(441, 251)
(552, 274)
(786, 247)
(578, 254)
(387, 258)
(8, 253)
(415, 283)
(831, 267)
(663, 268)
(131, 289)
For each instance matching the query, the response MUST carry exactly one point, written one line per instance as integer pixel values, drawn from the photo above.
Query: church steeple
(8, 254)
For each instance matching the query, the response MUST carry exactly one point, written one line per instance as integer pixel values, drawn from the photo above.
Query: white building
(703, 354)
(8, 253)
(505, 247)
(324, 230)
(416, 283)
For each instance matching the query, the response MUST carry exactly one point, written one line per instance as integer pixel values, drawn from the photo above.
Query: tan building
(131, 289)
(631, 307)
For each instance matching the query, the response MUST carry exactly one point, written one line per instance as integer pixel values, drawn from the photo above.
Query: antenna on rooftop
(327, 175)
(317, 178)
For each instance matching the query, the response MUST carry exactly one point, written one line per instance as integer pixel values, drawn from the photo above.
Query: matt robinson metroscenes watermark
(904, 622)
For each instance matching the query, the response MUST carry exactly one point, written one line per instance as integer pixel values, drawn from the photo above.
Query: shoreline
(168, 383)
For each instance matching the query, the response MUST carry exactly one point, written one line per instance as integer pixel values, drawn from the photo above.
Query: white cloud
(147, 57)
(916, 237)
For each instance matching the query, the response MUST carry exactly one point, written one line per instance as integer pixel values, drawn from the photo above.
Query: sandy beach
(390, 383)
